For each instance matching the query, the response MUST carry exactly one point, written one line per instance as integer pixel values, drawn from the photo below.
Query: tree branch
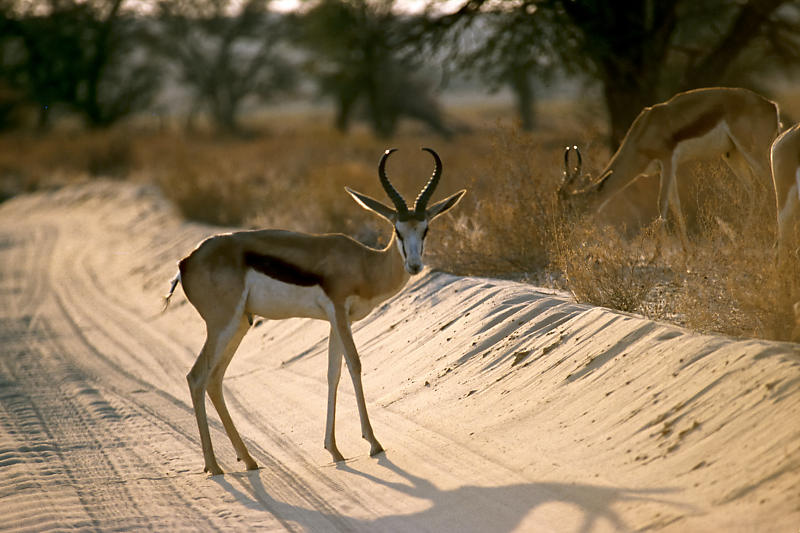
(711, 69)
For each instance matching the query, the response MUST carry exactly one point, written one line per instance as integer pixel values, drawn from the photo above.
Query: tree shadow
(466, 508)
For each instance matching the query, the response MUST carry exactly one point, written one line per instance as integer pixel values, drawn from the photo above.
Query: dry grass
(508, 225)
(732, 282)
(29, 162)
(506, 228)
(602, 267)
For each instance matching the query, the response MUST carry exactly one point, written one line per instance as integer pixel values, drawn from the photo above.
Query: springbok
(784, 158)
(785, 165)
(735, 124)
(279, 274)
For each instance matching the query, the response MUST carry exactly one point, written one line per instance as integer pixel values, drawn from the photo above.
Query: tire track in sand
(90, 323)
(121, 374)
(61, 426)
(84, 301)
(294, 483)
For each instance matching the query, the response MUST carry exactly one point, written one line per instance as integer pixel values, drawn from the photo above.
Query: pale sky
(404, 5)
(410, 6)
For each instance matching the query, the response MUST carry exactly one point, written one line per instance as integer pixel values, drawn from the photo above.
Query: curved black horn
(425, 195)
(394, 196)
(571, 174)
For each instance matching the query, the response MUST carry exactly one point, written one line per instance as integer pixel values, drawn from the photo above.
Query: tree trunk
(625, 99)
(520, 83)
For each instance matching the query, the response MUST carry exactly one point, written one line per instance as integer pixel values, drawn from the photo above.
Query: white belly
(714, 143)
(275, 300)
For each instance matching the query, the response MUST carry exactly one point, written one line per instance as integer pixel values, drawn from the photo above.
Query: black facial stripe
(402, 243)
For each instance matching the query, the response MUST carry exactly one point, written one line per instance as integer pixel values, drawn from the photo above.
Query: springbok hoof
(375, 449)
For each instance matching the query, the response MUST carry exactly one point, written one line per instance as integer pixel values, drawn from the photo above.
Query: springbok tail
(174, 283)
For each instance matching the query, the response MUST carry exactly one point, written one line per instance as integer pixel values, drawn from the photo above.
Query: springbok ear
(440, 207)
(371, 204)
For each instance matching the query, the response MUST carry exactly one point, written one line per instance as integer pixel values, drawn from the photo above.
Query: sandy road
(85, 442)
(96, 431)
(510, 410)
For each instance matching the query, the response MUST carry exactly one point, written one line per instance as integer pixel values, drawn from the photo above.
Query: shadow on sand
(467, 508)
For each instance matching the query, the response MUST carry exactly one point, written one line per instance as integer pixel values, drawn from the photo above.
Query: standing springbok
(785, 164)
(279, 274)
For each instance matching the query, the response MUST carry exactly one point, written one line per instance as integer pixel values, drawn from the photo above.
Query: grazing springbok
(784, 158)
(279, 274)
(735, 124)
(785, 164)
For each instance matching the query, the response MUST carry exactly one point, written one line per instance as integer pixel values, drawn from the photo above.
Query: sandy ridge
(502, 406)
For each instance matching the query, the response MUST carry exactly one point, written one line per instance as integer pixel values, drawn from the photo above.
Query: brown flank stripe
(704, 123)
(281, 270)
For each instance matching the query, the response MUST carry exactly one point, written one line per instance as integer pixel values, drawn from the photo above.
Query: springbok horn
(394, 196)
(571, 174)
(425, 195)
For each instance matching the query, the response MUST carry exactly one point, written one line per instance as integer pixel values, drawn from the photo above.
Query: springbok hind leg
(218, 338)
(669, 199)
(217, 398)
(198, 382)
(677, 213)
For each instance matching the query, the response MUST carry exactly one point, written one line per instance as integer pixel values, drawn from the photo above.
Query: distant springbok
(278, 274)
(735, 124)
(785, 164)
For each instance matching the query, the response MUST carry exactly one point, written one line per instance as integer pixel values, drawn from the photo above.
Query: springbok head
(410, 225)
(571, 175)
(576, 189)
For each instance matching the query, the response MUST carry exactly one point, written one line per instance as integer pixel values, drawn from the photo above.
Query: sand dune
(502, 407)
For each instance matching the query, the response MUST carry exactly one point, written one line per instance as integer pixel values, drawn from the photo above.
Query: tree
(225, 57)
(77, 54)
(643, 51)
(505, 48)
(361, 59)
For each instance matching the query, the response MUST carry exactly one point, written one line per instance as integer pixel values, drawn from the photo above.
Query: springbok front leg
(341, 324)
(335, 352)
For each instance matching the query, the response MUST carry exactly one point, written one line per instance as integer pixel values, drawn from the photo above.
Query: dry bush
(110, 156)
(205, 186)
(741, 291)
(29, 162)
(732, 282)
(601, 266)
(295, 180)
(505, 225)
(508, 225)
